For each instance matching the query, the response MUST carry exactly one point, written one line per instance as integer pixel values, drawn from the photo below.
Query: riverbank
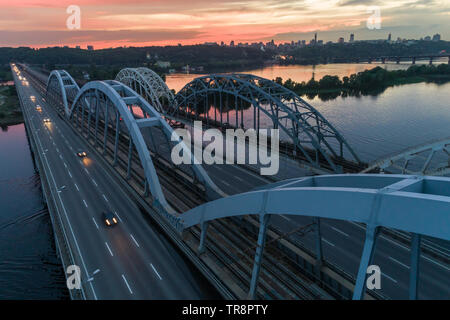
(10, 113)
(368, 82)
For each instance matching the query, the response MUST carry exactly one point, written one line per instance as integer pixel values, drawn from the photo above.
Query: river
(374, 126)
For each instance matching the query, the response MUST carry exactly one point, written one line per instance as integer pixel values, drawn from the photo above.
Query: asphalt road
(134, 260)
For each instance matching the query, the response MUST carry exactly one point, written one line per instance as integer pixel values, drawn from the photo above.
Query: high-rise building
(437, 37)
(90, 48)
(232, 43)
(352, 38)
(315, 37)
(389, 37)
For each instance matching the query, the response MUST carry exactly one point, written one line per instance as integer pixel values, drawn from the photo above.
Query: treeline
(351, 52)
(369, 81)
(210, 57)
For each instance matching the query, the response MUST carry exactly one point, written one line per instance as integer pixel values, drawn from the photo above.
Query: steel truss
(416, 204)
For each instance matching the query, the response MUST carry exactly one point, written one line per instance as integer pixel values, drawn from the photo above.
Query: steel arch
(418, 160)
(148, 84)
(416, 204)
(67, 85)
(307, 129)
(120, 97)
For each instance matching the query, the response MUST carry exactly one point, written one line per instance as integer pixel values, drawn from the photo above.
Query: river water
(374, 126)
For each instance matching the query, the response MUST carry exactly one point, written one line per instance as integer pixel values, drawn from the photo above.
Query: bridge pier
(414, 271)
(263, 222)
(319, 252)
(398, 60)
(383, 60)
(414, 60)
(431, 61)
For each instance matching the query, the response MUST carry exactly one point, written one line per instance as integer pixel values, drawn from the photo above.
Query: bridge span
(316, 255)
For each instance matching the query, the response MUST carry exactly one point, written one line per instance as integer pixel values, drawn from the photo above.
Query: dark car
(109, 218)
(81, 153)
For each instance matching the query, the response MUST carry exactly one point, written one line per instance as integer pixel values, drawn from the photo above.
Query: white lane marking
(286, 218)
(95, 222)
(76, 186)
(85, 204)
(65, 164)
(109, 249)
(400, 263)
(242, 180)
(60, 156)
(69, 174)
(86, 170)
(134, 240)
(328, 242)
(57, 150)
(95, 182)
(118, 216)
(154, 269)
(390, 278)
(341, 232)
(104, 197)
(126, 282)
(436, 263)
(226, 183)
(54, 143)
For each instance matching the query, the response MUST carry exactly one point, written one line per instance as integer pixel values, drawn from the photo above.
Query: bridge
(246, 236)
(399, 58)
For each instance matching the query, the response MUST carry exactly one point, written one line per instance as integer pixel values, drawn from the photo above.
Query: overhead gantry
(149, 85)
(247, 101)
(430, 159)
(416, 204)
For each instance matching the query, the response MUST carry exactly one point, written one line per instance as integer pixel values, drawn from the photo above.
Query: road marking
(436, 263)
(95, 182)
(86, 170)
(400, 263)
(57, 150)
(390, 278)
(118, 216)
(104, 197)
(109, 249)
(69, 174)
(225, 183)
(134, 240)
(85, 204)
(341, 232)
(65, 164)
(328, 242)
(126, 282)
(76, 186)
(154, 269)
(95, 222)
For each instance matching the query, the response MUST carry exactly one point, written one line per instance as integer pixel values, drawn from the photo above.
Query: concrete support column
(201, 247)
(319, 252)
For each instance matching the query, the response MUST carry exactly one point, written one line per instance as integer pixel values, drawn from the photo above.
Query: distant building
(78, 47)
(90, 48)
(162, 64)
(232, 43)
(437, 37)
(320, 42)
(427, 38)
(389, 37)
(315, 37)
(210, 44)
(352, 38)
(341, 40)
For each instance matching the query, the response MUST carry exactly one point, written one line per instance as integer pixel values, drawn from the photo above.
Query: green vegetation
(371, 81)
(10, 112)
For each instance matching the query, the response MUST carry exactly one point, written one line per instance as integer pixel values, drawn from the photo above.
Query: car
(33, 98)
(47, 120)
(81, 153)
(109, 218)
(38, 108)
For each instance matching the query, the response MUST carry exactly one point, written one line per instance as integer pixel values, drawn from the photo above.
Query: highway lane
(134, 260)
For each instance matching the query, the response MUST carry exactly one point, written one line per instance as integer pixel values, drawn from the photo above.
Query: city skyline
(110, 23)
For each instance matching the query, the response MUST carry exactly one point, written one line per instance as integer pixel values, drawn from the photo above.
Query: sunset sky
(113, 23)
